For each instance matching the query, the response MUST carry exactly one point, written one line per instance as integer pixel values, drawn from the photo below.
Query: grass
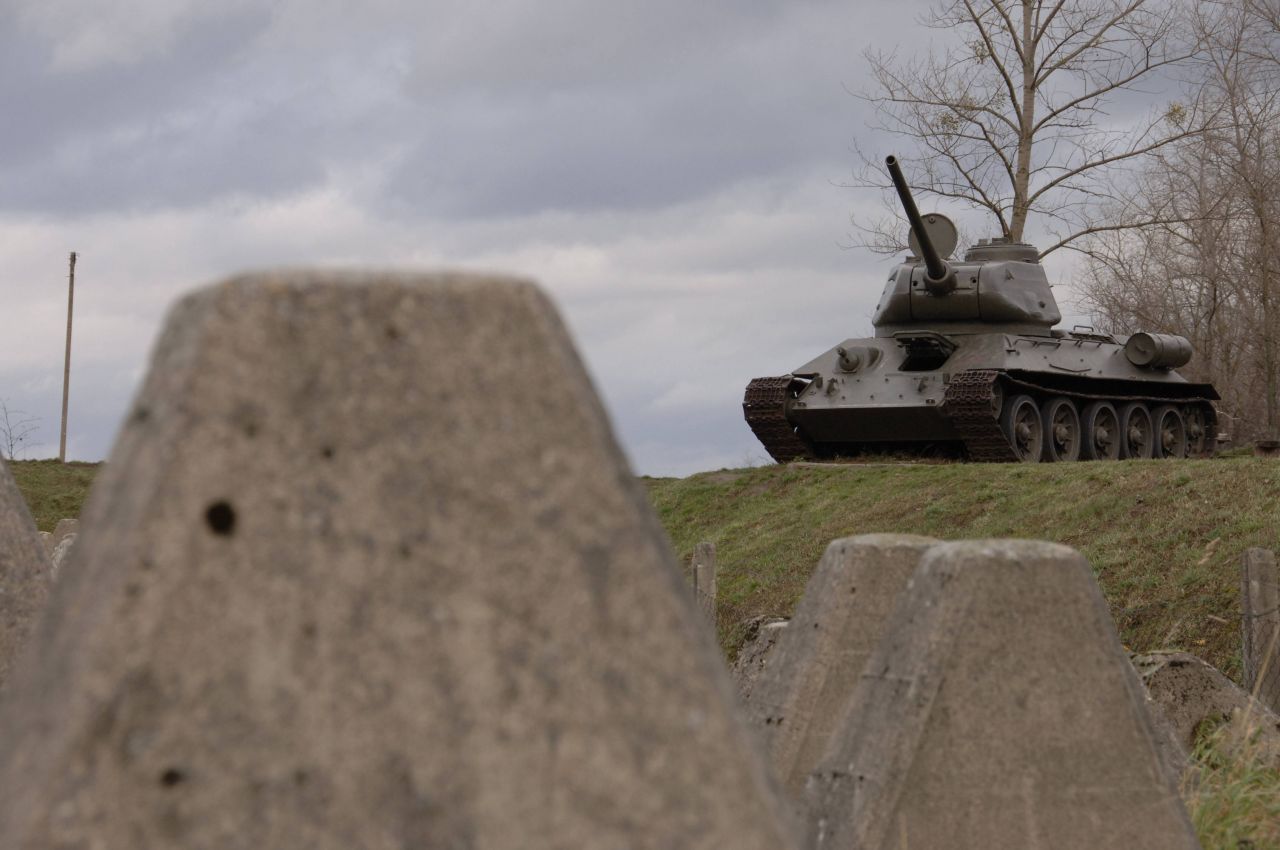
(53, 490)
(1164, 538)
(1233, 795)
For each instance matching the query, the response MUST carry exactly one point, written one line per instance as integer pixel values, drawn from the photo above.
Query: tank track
(970, 404)
(765, 407)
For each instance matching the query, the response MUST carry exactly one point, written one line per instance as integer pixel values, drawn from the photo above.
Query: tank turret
(999, 282)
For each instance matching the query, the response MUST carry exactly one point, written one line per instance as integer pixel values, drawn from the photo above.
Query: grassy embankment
(53, 490)
(1164, 538)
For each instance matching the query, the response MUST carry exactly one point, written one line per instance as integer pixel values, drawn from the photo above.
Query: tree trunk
(1022, 167)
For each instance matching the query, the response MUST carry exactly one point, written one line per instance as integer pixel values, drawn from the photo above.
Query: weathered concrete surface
(366, 569)
(999, 711)
(1186, 694)
(61, 553)
(65, 526)
(762, 635)
(802, 693)
(24, 573)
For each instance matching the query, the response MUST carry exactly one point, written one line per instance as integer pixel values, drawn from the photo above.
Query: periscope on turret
(966, 361)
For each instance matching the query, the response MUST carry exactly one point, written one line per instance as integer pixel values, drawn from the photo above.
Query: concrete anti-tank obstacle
(367, 570)
(800, 697)
(1187, 695)
(24, 572)
(998, 711)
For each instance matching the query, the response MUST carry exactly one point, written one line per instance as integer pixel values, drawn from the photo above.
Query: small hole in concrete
(393, 332)
(171, 777)
(221, 518)
(327, 452)
(140, 415)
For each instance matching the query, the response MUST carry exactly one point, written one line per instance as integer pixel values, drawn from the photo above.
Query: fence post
(1260, 622)
(704, 579)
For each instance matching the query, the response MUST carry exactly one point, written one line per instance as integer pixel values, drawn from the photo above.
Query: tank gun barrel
(940, 279)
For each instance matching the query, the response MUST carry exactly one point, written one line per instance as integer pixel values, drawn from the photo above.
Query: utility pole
(66, 368)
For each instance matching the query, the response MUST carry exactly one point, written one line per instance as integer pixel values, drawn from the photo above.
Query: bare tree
(1015, 121)
(1212, 272)
(16, 428)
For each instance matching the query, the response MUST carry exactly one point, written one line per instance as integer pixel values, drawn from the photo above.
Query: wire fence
(1260, 620)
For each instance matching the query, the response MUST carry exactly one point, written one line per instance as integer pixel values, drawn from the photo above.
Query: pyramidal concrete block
(998, 711)
(801, 696)
(24, 572)
(366, 569)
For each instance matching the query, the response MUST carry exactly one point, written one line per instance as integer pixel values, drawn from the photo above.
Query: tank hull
(930, 392)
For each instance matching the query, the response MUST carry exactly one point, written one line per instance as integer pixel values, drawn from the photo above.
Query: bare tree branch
(971, 111)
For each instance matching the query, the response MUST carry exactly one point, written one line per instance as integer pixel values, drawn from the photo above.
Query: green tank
(966, 361)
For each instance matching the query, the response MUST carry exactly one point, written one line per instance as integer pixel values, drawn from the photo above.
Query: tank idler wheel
(1101, 427)
(1137, 436)
(1024, 428)
(1197, 431)
(1170, 431)
(1061, 430)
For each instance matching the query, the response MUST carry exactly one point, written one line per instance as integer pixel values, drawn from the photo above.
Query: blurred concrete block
(24, 572)
(762, 633)
(998, 711)
(367, 569)
(61, 553)
(65, 526)
(802, 693)
(1189, 696)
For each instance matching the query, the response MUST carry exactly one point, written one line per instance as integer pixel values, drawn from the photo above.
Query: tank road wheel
(1197, 431)
(1024, 428)
(1061, 430)
(1170, 431)
(1137, 438)
(1101, 428)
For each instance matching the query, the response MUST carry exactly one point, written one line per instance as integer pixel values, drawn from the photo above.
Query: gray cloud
(630, 111)
(127, 134)
(667, 170)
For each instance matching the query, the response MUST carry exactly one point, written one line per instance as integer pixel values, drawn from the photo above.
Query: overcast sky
(669, 170)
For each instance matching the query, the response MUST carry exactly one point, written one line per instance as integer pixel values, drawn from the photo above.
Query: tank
(966, 361)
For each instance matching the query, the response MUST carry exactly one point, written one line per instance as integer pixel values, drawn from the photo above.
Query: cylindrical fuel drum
(1157, 351)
